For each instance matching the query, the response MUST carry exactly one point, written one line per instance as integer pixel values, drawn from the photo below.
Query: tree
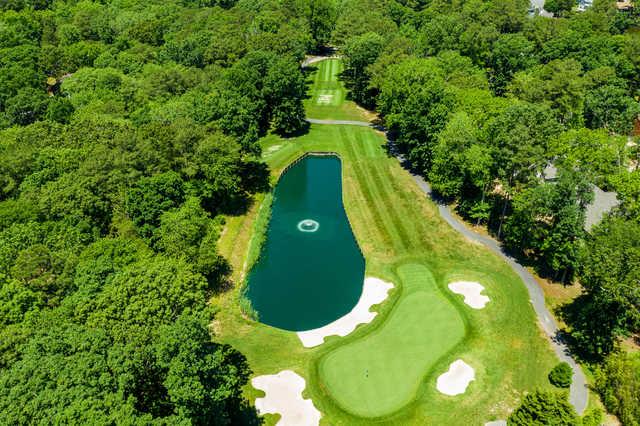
(40, 271)
(189, 232)
(448, 174)
(321, 15)
(618, 383)
(16, 300)
(561, 375)
(283, 91)
(105, 257)
(544, 408)
(511, 53)
(216, 166)
(610, 107)
(521, 135)
(595, 153)
(151, 197)
(49, 382)
(142, 296)
(27, 106)
(479, 165)
(59, 110)
(441, 33)
(559, 84)
(203, 380)
(609, 271)
(360, 53)
(627, 186)
(357, 17)
(460, 71)
(559, 7)
(415, 107)
(276, 88)
(548, 222)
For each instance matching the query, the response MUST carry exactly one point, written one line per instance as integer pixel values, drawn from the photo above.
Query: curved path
(578, 395)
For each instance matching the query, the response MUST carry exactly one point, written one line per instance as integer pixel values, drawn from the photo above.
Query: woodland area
(128, 129)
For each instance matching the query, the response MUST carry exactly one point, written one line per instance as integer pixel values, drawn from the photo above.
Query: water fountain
(308, 225)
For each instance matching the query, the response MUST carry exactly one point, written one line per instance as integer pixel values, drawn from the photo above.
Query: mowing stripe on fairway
(422, 328)
(373, 200)
(385, 191)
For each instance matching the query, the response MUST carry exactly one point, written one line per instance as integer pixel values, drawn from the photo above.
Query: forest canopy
(129, 129)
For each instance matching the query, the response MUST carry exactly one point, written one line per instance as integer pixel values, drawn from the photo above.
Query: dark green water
(305, 280)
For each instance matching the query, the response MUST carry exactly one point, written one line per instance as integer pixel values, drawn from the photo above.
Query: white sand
(471, 292)
(456, 380)
(496, 423)
(374, 291)
(284, 396)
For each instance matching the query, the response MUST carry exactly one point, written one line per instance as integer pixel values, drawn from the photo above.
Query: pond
(310, 271)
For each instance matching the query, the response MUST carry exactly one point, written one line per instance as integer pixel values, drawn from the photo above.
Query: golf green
(310, 271)
(423, 327)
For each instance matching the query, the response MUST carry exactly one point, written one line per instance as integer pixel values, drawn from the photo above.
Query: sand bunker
(471, 292)
(374, 291)
(496, 423)
(456, 380)
(284, 396)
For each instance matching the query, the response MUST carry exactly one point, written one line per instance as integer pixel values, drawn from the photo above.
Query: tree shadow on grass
(307, 72)
(255, 176)
(247, 416)
(301, 131)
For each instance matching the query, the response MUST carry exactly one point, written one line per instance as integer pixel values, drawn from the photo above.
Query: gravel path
(578, 395)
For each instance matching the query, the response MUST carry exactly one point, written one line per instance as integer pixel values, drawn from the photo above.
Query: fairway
(420, 328)
(423, 327)
(328, 95)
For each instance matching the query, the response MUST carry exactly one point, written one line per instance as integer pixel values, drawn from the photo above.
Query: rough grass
(396, 225)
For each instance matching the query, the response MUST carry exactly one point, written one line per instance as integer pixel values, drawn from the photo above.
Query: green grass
(395, 225)
(423, 327)
(328, 95)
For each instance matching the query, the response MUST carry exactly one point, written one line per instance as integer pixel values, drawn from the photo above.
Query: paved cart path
(578, 395)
